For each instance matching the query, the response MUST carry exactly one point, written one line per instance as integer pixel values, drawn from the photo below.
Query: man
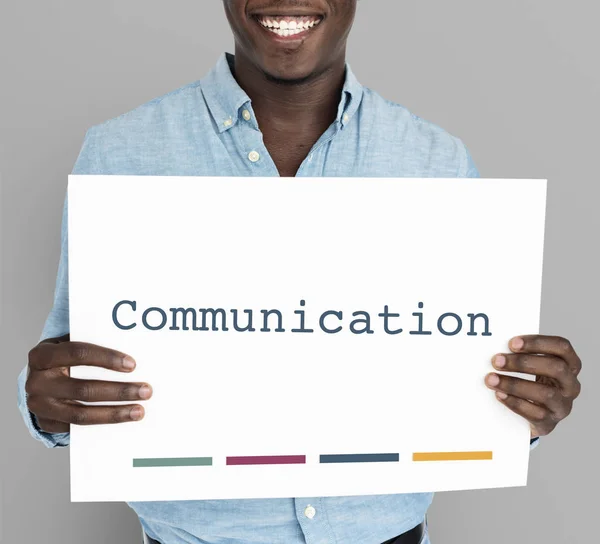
(287, 104)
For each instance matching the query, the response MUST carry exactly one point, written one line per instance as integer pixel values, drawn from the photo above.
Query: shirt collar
(225, 97)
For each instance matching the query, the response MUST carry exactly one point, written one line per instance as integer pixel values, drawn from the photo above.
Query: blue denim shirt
(208, 128)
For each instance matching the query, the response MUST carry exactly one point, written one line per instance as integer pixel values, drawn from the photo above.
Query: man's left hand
(547, 400)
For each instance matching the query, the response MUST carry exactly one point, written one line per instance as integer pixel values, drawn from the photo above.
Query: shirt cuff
(50, 440)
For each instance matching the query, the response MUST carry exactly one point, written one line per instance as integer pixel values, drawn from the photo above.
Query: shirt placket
(312, 517)
(249, 143)
(313, 164)
(253, 154)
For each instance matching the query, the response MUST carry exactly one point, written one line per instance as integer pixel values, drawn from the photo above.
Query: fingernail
(501, 395)
(499, 361)
(517, 343)
(492, 379)
(145, 392)
(136, 413)
(128, 363)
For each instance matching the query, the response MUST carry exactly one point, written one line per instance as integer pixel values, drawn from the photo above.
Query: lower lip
(293, 37)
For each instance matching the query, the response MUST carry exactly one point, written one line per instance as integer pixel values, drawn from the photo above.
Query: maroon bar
(267, 460)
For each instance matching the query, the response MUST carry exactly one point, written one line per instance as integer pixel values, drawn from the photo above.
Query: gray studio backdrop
(517, 80)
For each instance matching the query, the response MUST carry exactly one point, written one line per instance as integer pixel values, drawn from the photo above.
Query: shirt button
(246, 115)
(228, 122)
(346, 118)
(253, 156)
(310, 512)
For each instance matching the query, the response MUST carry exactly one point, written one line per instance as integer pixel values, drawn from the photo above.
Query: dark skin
(295, 85)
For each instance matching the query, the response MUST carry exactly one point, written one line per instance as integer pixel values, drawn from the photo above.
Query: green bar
(174, 462)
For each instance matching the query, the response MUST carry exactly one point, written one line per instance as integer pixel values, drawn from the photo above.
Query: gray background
(517, 80)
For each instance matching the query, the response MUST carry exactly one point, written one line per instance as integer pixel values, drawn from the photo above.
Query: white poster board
(281, 413)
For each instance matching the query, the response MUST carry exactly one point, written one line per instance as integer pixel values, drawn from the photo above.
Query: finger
(538, 416)
(547, 366)
(98, 390)
(79, 414)
(49, 355)
(542, 394)
(51, 426)
(547, 345)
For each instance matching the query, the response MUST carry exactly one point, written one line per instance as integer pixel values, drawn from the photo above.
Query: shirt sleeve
(57, 322)
(470, 168)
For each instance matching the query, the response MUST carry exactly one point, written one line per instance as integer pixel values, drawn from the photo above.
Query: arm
(49, 399)
(471, 172)
(57, 324)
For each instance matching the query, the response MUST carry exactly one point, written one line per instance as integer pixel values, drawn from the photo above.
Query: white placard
(281, 413)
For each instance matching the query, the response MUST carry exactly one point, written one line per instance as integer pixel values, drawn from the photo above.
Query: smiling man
(286, 104)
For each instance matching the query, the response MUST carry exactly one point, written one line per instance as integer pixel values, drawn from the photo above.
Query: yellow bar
(453, 456)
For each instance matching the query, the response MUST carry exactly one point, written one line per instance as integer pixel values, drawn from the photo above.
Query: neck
(310, 101)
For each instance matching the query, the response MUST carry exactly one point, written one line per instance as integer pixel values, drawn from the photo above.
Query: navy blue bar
(361, 458)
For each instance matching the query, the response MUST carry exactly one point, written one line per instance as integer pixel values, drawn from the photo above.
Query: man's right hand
(54, 397)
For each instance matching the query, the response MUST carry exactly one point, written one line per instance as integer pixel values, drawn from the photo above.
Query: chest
(356, 150)
(288, 151)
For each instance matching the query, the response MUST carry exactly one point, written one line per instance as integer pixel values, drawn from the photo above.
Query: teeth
(287, 27)
(285, 32)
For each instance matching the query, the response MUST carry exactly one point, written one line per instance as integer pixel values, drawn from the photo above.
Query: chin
(289, 72)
